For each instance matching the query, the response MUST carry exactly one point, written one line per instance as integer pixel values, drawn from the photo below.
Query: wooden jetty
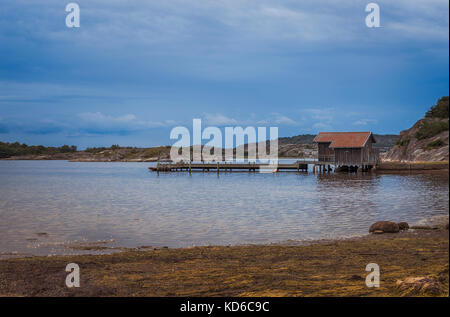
(346, 151)
(299, 166)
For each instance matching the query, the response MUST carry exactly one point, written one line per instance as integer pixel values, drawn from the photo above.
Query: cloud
(212, 26)
(218, 119)
(37, 127)
(43, 127)
(321, 118)
(365, 121)
(97, 122)
(321, 126)
(168, 59)
(87, 123)
(283, 120)
(321, 113)
(101, 119)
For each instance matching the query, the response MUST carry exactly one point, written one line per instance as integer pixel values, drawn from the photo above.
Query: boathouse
(347, 149)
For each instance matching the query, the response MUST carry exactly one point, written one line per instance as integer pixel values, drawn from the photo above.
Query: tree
(439, 110)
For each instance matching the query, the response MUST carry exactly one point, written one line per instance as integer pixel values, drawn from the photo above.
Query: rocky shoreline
(412, 263)
(412, 166)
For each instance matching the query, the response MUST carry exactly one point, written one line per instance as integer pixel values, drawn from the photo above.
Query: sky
(133, 70)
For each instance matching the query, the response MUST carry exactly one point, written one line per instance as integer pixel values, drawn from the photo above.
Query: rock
(443, 275)
(378, 232)
(403, 225)
(384, 226)
(423, 228)
(420, 285)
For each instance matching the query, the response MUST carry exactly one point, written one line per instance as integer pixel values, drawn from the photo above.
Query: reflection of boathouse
(347, 149)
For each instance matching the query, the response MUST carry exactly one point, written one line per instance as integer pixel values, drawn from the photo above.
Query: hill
(303, 145)
(300, 146)
(383, 140)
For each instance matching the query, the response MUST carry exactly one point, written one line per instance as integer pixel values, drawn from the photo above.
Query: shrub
(17, 149)
(430, 129)
(152, 152)
(67, 149)
(440, 110)
(435, 144)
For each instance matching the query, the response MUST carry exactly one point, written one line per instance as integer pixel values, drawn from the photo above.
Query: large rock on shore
(385, 227)
(418, 285)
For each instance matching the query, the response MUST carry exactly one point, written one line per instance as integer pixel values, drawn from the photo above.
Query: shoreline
(109, 246)
(314, 268)
(386, 166)
(413, 166)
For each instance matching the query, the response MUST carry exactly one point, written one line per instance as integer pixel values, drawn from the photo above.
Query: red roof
(344, 139)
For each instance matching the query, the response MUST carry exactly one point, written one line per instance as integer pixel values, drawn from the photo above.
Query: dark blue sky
(135, 69)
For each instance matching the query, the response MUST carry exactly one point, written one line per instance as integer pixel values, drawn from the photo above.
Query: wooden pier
(299, 166)
(337, 151)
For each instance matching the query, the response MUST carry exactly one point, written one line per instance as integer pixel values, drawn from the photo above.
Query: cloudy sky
(135, 69)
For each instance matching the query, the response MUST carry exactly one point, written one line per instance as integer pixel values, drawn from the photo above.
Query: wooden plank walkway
(230, 167)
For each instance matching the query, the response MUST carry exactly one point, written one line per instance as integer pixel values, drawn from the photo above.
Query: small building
(347, 149)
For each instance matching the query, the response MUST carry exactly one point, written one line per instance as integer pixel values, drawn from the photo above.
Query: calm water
(134, 207)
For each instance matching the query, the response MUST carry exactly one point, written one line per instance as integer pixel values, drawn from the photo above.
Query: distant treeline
(102, 148)
(17, 149)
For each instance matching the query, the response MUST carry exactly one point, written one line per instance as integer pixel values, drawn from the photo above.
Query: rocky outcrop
(427, 140)
(432, 223)
(297, 150)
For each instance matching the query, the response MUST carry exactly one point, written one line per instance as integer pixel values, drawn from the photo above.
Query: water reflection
(125, 202)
